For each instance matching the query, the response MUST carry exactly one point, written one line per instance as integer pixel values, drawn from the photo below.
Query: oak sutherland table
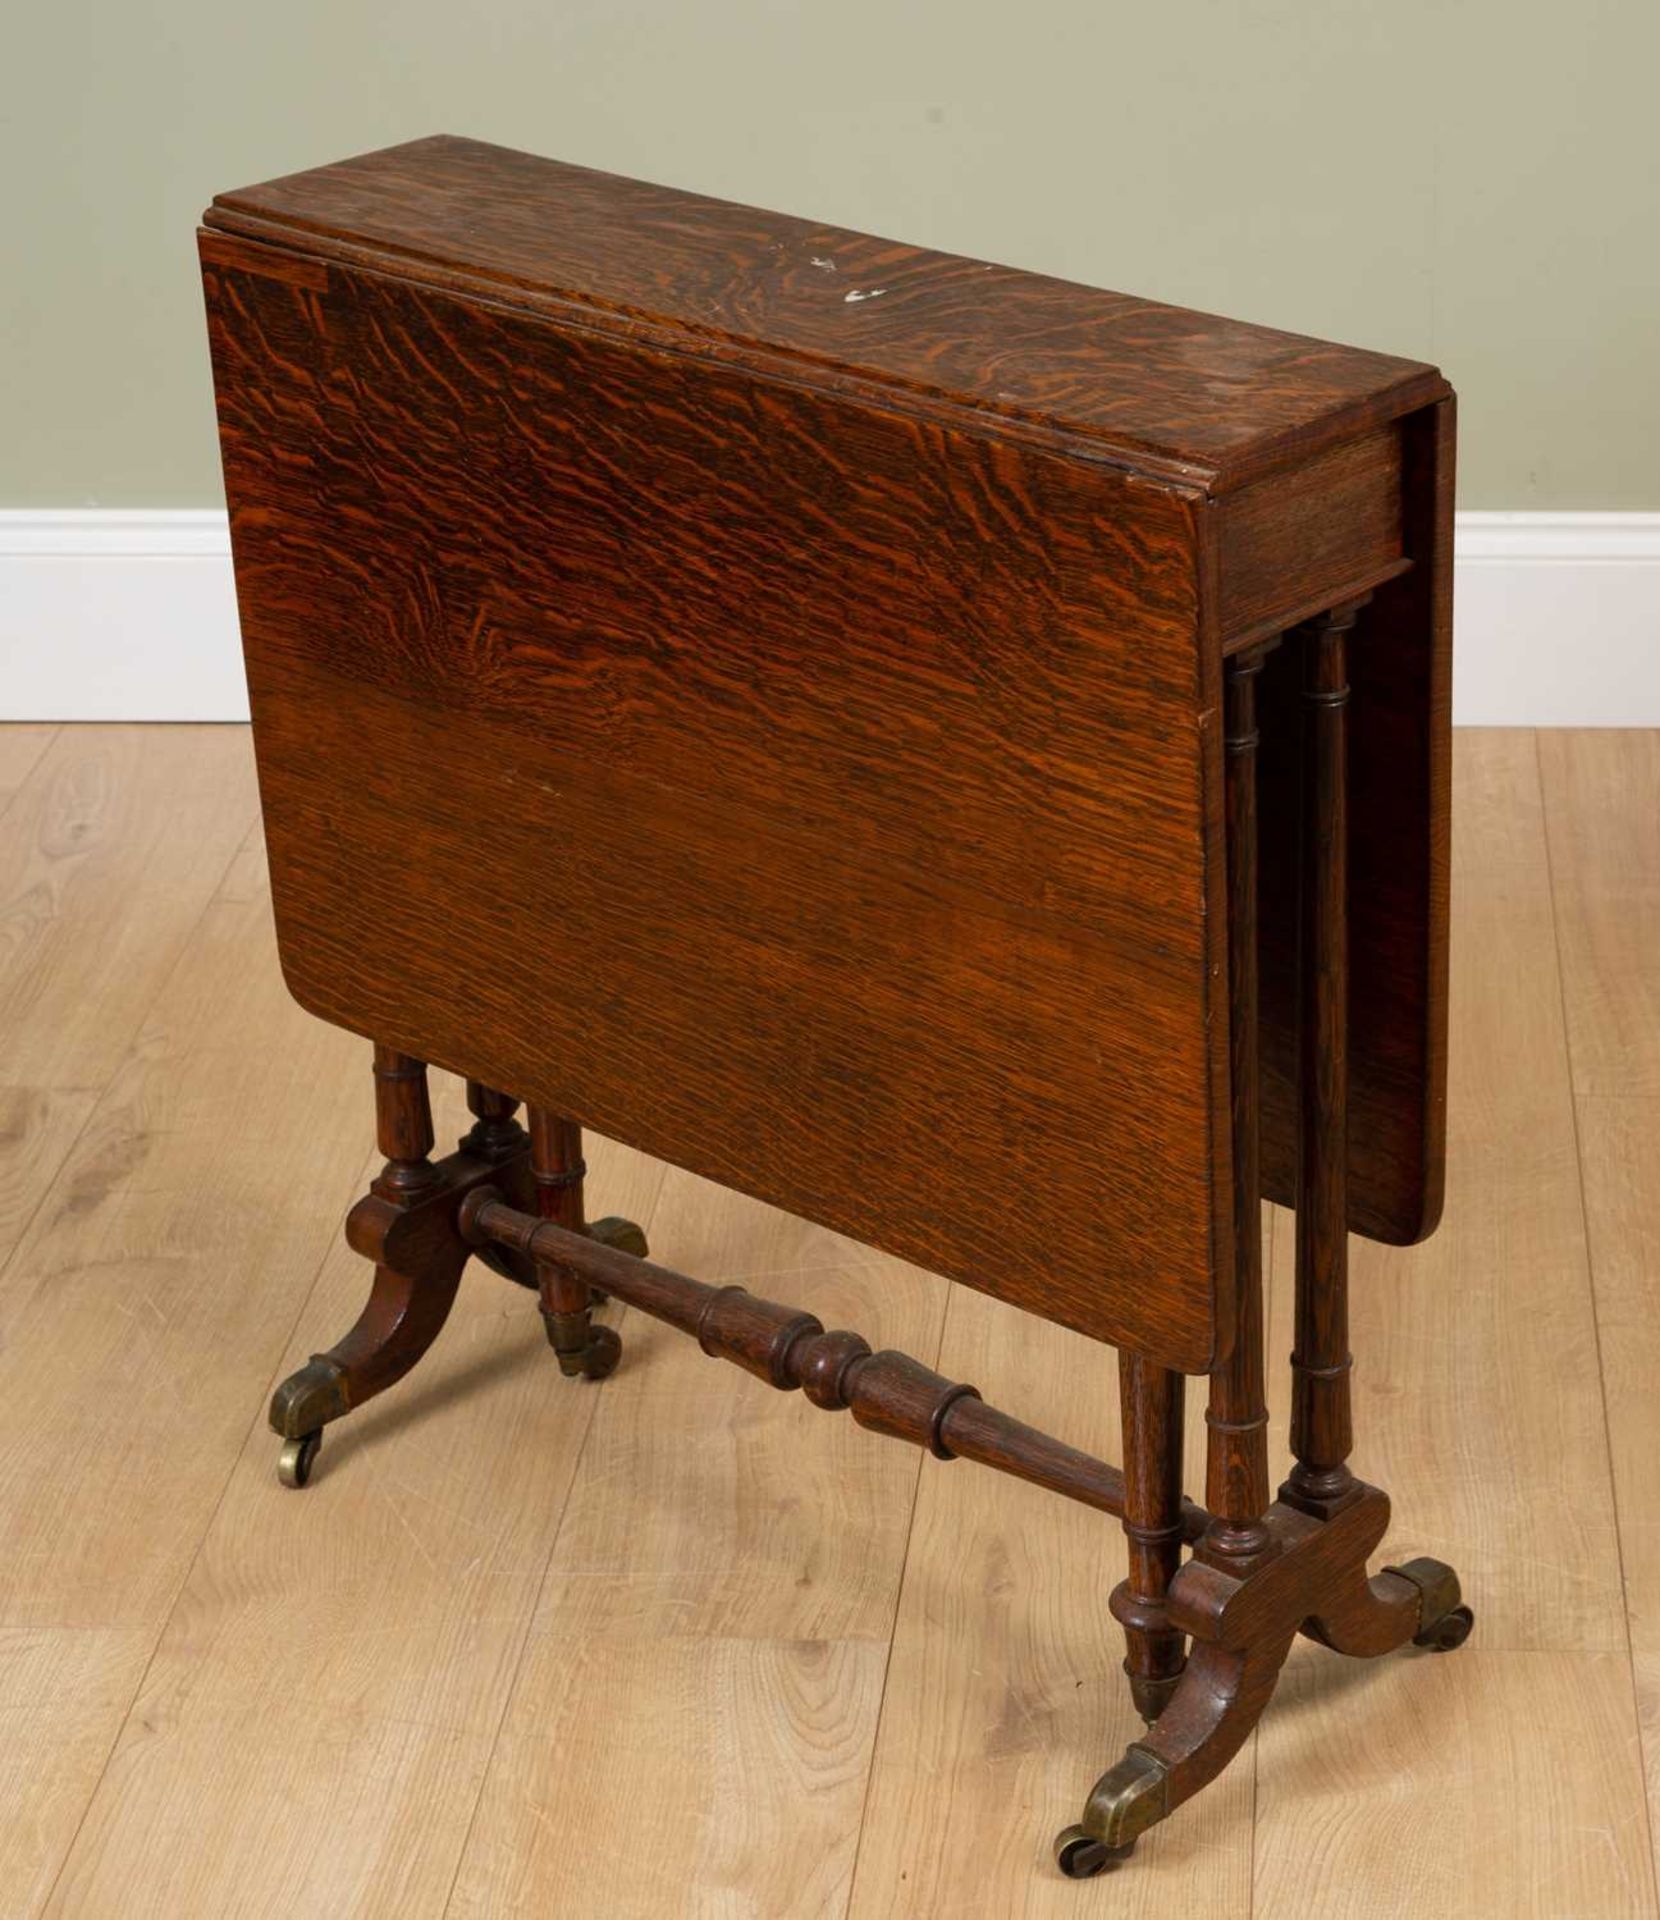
(957, 755)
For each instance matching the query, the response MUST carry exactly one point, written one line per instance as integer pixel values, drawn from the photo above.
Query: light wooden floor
(678, 1645)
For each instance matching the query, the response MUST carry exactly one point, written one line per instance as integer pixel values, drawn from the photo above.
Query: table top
(782, 730)
(1211, 400)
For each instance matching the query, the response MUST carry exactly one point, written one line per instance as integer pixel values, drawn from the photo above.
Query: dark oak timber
(407, 1224)
(1236, 1420)
(1322, 1431)
(417, 1271)
(884, 730)
(557, 1171)
(1153, 386)
(1307, 1574)
(1150, 1399)
(957, 755)
(1399, 774)
(887, 1392)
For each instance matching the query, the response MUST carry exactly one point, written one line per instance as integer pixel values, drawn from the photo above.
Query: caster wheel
(1450, 1631)
(295, 1461)
(1081, 1857)
(603, 1353)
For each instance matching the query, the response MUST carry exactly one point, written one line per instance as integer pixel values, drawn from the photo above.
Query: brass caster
(1128, 1799)
(310, 1398)
(583, 1349)
(1447, 1624)
(1450, 1631)
(602, 1353)
(1081, 1857)
(295, 1461)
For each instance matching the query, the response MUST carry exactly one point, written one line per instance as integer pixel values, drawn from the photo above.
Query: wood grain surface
(1199, 394)
(1601, 795)
(806, 794)
(825, 694)
(1400, 810)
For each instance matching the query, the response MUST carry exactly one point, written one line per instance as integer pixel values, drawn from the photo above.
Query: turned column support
(1236, 1473)
(403, 1126)
(1322, 1425)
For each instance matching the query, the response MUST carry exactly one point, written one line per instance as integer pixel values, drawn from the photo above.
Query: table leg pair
(1205, 1638)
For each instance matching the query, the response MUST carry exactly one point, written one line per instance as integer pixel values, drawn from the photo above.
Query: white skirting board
(117, 614)
(130, 615)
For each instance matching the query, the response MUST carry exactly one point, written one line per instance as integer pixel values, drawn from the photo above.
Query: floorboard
(678, 1645)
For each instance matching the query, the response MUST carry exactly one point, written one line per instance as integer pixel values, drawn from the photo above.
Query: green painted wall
(1475, 182)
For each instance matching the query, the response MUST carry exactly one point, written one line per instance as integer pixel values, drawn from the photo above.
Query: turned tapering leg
(557, 1168)
(1150, 1400)
(1322, 1428)
(1236, 1462)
